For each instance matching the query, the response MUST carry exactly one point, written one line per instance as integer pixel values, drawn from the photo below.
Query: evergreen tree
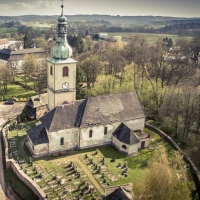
(79, 44)
(27, 41)
(170, 42)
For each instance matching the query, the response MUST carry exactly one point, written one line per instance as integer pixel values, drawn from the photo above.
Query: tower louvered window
(65, 71)
(51, 70)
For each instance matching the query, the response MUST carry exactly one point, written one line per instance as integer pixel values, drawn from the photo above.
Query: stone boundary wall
(10, 163)
(194, 171)
(23, 177)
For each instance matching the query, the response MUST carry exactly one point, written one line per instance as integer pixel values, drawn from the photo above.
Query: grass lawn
(20, 79)
(151, 37)
(16, 135)
(18, 92)
(18, 186)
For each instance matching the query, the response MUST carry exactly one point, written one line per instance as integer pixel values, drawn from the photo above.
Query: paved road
(7, 112)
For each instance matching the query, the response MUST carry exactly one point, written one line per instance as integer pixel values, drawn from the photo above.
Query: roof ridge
(55, 109)
(85, 101)
(125, 192)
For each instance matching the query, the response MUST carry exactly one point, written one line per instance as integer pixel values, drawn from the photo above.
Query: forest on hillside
(78, 24)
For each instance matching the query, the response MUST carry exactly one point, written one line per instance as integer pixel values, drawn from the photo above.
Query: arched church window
(65, 71)
(51, 70)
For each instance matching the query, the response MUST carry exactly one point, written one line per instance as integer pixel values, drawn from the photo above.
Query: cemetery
(81, 174)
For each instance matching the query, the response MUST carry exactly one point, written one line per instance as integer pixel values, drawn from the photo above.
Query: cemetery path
(87, 172)
(21, 149)
(7, 112)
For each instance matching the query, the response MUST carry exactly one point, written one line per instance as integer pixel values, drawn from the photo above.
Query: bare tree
(5, 78)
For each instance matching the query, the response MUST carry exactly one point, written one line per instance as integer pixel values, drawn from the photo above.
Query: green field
(3, 31)
(151, 37)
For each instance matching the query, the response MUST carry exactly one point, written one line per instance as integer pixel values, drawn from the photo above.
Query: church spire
(62, 6)
(61, 50)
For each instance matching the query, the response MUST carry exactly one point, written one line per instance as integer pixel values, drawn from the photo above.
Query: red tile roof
(4, 41)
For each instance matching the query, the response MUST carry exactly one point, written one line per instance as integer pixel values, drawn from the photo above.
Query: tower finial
(62, 6)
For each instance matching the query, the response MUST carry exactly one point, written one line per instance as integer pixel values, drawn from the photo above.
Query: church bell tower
(61, 69)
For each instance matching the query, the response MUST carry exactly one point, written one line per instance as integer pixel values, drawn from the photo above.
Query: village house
(15, 57)
(37, 106)
(122, 192)
(113, 119)
(4, 43)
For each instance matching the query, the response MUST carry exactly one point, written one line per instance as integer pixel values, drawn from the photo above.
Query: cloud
(47, 4)
(23, 5)
(5, 6)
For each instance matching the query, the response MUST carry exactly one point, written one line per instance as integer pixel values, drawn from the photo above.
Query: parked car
(9, 102)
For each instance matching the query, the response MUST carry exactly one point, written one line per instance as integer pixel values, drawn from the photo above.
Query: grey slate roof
(101, 109)
(125, 135)
(109, 108)
(62, 117)
(5, 54)
(37, 101)
(27, 51)
(38, 135)
(119, 194)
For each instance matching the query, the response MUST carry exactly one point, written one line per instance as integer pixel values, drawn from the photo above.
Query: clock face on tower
(65, 85)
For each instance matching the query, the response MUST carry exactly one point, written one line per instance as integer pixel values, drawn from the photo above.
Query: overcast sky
(176, 8)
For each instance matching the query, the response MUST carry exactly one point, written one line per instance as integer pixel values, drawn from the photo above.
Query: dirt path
(21, 149)
(90, 176)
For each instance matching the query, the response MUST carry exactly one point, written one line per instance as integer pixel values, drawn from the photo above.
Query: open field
(151, 37)
(3, 31)
(43, 25)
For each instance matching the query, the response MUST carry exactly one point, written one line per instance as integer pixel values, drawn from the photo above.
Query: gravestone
(113, 159)
(86, 156)
(119, 165)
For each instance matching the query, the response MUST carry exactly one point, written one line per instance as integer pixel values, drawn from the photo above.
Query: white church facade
(114, 119)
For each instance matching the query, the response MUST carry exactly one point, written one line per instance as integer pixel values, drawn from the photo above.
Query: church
(113, 119)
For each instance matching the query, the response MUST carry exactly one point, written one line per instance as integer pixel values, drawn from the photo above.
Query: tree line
(166, 80)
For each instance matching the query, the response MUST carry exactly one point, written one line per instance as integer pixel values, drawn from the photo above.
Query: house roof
(4, 41)
(5, 54)
(123, 192)
(119, 194)
(125, 135)
(15, 45)
(62, 117)
(112, 108)
(102, 109)
(38, 135)
(37, 101)
(27, 51)
(140, 134)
